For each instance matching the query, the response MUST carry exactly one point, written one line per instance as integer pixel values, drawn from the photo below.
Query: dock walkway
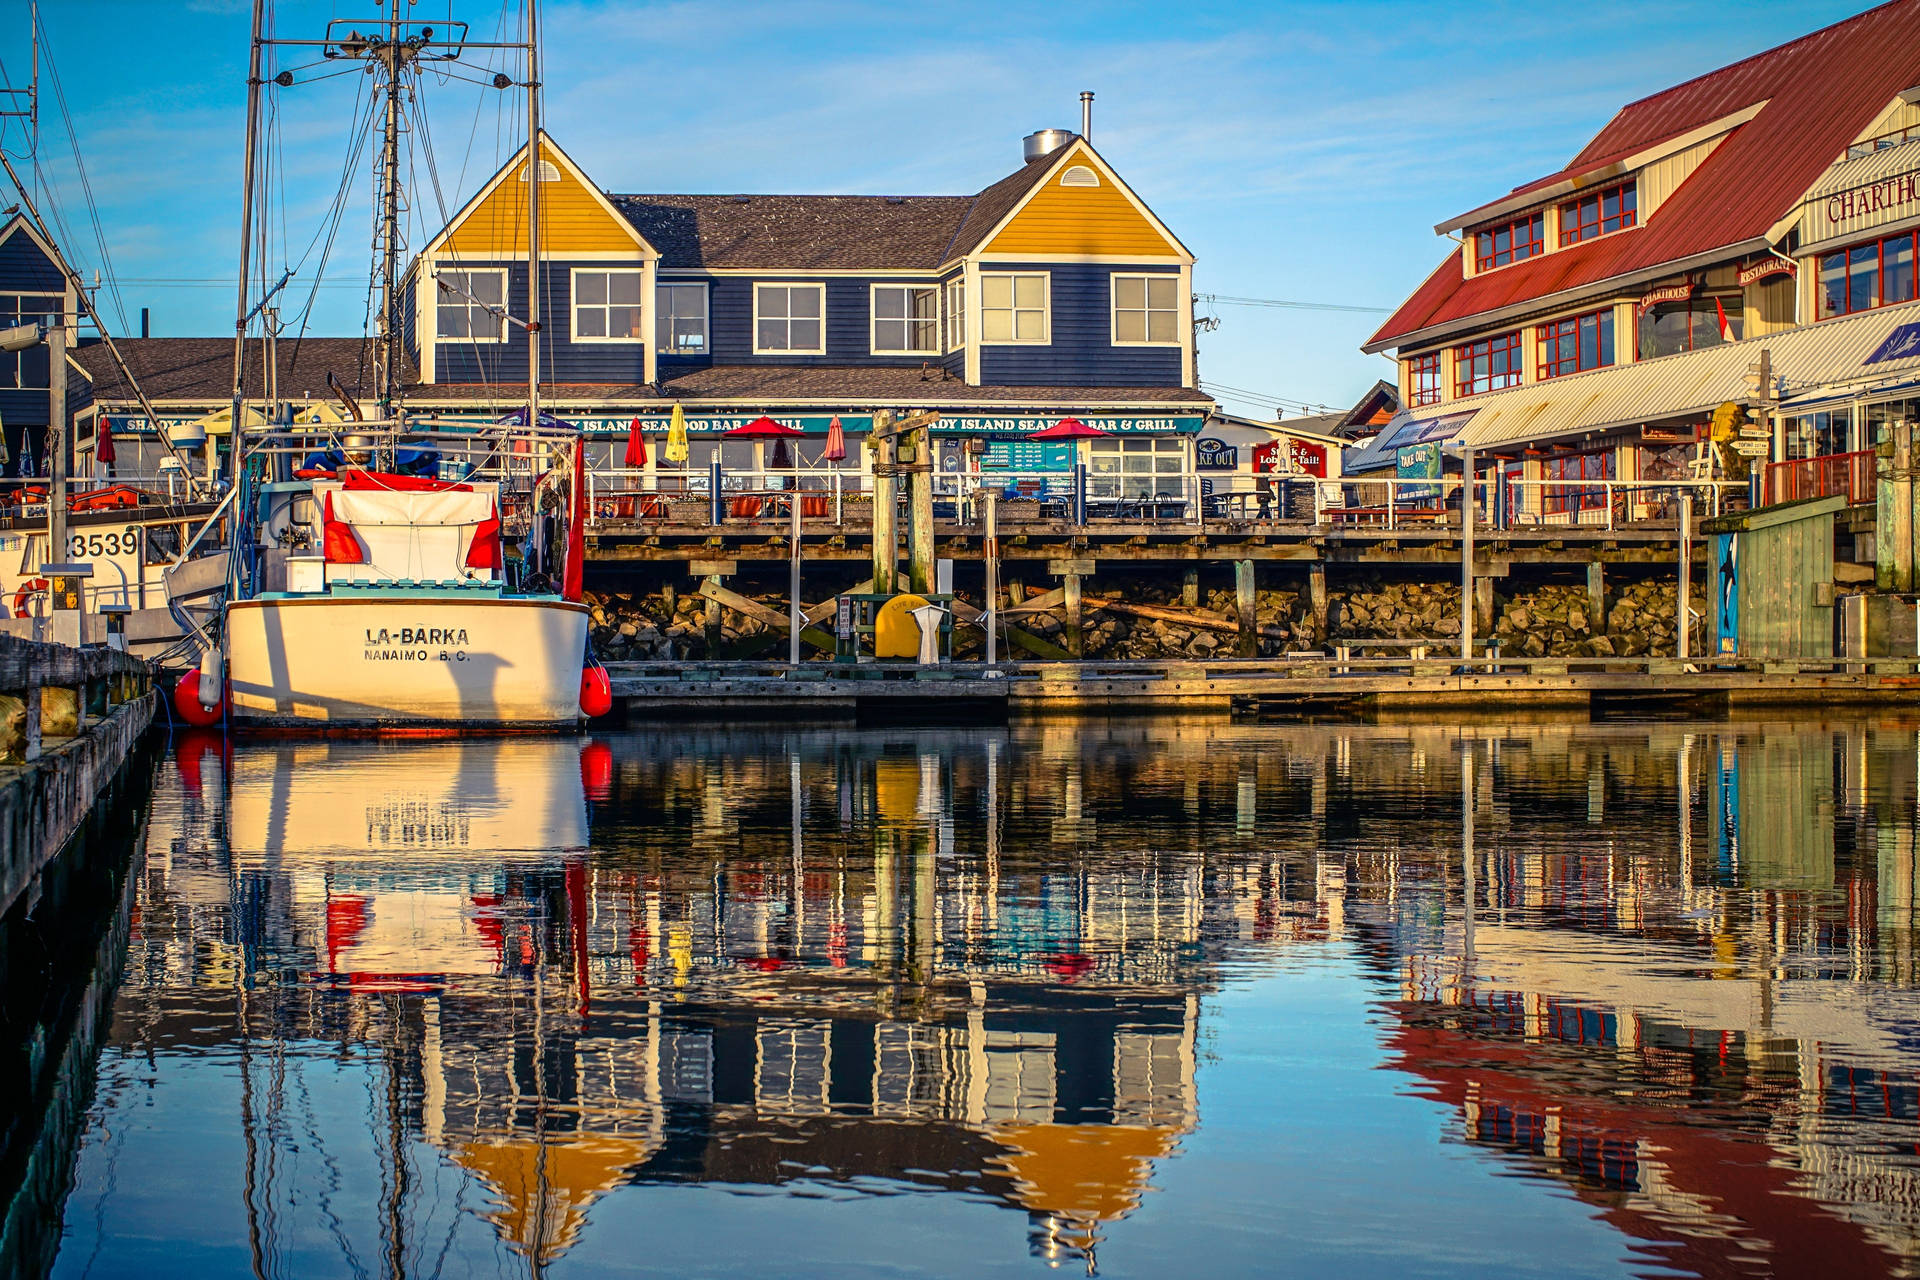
(1300, 685)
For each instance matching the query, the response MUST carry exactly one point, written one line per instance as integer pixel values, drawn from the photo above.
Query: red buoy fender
(596, 692)
(27, 588)
(187, 704)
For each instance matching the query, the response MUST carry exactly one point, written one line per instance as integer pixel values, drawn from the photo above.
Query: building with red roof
(1772, 196)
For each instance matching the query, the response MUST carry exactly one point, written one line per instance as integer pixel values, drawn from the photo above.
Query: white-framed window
(549, 172)
(1079, 175)
(789, 318)
(607, 306)
(681, 327)
(1146, 310)
(956, 314)
(906, 319)
(1136, 467)
(468, 304)
(1013, 307)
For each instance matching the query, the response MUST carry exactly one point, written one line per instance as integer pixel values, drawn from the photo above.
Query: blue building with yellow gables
(1052, 292)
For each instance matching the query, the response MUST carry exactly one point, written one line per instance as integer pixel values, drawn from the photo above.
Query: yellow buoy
(895, 633)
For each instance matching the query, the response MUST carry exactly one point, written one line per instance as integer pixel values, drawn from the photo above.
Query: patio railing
(1848, 475)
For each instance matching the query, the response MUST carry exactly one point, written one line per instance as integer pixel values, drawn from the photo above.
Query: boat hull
(406, 662)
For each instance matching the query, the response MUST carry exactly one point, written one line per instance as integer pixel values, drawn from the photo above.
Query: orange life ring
(27, 588)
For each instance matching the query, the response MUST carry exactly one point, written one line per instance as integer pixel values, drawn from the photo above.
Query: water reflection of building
(1702, 1024)
(976, 961)
(564, 1023)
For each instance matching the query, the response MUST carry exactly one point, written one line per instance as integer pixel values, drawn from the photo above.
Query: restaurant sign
(1667, 293)
(1877, 200)
(709, 425)
(1765, 269)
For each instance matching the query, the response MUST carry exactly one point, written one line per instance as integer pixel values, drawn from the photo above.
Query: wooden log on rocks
(1179, 617)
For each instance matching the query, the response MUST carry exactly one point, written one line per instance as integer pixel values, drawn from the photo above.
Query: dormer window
(1079, 175)
(1599, 213)
(1512, 242)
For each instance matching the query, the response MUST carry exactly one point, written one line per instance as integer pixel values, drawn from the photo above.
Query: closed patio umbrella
(103, 450)
(836, 449)
(636, 455)
(677, 436)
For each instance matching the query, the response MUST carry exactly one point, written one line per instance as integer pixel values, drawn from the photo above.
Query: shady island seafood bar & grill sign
(809, 424)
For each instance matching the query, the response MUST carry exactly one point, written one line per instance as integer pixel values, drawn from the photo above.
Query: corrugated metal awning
(1824, 359)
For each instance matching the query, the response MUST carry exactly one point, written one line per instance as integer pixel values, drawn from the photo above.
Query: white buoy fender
(213, 678)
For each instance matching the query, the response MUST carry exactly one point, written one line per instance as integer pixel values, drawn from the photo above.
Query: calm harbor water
(1119, 998)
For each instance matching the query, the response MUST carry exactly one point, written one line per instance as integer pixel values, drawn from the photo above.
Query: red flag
(484, 553)
(574, 581)
(338, 540)
(1726, 330)
(636, 446)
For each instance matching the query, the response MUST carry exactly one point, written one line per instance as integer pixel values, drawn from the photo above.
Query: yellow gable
(573, 219)
(1065, 216)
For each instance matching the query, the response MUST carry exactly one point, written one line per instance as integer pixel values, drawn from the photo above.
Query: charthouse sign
(1892, 197)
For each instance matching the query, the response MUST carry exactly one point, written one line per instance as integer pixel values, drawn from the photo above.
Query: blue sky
(1302, 150)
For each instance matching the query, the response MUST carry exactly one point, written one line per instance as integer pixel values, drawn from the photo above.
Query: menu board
(1028, 455)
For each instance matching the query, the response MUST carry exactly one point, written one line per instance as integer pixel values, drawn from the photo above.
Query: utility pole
(59, 443)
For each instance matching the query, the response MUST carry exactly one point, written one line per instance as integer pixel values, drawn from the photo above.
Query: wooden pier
(81, 713)
(1304, 685)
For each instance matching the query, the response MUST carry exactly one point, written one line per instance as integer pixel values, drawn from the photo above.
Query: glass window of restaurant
(1136, 467)
(606, 306)
(681, 325)
(1511, 242)
(1690, 324)
(28, 369)
(1576, 343)
(1575, 467)
(1487, 365)
(1879, 273)
(1423, 379)
(1598, 213)
(1881, 415)
(1820, 435)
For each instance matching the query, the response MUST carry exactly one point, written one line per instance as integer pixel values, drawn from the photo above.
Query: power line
(1287, 305)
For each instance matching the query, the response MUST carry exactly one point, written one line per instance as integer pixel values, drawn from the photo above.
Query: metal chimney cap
(1041, 141)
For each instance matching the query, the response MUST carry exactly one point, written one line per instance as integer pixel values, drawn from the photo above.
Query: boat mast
(387, 234)
(240, 313)
(533, 216)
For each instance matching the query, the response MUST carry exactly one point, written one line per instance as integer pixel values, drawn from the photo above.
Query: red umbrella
(836, 441)
(763, 429)
(1069, 429)
(103, 450)
(636, 446)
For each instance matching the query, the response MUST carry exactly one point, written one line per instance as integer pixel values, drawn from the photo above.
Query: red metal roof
(1820, 92)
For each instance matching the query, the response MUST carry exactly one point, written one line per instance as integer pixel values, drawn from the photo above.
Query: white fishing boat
(398, 572)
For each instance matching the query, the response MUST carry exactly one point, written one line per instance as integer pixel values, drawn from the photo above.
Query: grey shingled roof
(201, 369)
(825, 233)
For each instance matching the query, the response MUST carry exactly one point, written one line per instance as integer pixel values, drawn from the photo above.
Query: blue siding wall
(1081, 353)
(561, 358)
(730, 324)
(24, 269)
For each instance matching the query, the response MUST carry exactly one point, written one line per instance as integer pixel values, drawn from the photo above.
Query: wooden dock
(1281, 687)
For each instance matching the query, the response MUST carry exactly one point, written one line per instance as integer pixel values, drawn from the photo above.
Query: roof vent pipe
(1042, 141)
(1086, 114)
